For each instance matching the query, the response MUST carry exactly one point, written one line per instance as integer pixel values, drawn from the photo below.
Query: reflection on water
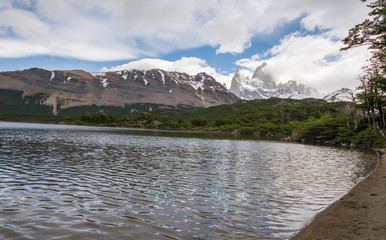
(72, 182)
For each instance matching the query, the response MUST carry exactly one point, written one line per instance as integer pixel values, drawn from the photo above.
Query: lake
(75, 182)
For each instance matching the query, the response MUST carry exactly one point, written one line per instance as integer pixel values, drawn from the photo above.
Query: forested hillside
(309, 120)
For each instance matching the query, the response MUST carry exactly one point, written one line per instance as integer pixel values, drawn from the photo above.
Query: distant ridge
(80, 88)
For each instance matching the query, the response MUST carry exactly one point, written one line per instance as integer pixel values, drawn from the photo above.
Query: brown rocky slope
(80, 88)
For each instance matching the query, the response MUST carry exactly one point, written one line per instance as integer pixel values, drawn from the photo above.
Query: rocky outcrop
(262, 86)
(264, 77)
(235, 83)
(79, 88)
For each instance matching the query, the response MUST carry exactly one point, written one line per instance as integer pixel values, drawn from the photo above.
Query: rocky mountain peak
(262, 86)
(258, 71)
(262, 78)
(235, 83)
(293, 87)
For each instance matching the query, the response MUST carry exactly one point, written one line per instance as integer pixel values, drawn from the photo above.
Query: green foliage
(219, 123)
(199, 123)
(324, 129)
(247, 130)
(305, 120)
(170, 125)
(372, 32)
(128, 109)
(369, 138)
(13, 102)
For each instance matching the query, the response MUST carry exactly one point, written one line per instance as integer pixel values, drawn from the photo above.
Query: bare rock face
(235, 83)
(79, 88)
(262, 86)
(264, 77)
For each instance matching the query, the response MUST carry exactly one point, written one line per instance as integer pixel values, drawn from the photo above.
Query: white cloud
(16, 48)
(100, 30)
(314, 60)
(189, 65)
(23, 23)
(6, 4)
(336, 16)
(137, 28)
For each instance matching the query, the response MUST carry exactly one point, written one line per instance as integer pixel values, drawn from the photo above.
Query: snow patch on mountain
(104, 82)
(162, 76)
(96, 74)
(52, 76)
(261, 86)
(341, 95)
(197, 84)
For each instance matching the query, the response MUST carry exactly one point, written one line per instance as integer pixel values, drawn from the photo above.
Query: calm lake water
(70, 182)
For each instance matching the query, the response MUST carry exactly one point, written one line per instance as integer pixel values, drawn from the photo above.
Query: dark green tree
(372, 33)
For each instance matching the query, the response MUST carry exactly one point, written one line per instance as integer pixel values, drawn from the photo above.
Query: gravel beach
(360, 214)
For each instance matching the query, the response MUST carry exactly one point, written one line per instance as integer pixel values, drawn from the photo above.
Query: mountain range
(261, 86)
(65, 89)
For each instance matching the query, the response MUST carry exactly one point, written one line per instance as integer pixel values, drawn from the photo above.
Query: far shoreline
(234, 134)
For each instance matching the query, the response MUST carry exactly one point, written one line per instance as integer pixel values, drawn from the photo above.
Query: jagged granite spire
(263, 86)
(235, 84)
(264, 77)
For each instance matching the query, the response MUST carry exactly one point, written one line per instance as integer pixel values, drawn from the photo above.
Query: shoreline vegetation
(306, 121)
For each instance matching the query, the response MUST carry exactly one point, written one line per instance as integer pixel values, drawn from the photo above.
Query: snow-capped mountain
(341, 95)
(262, 86)
(65, 89)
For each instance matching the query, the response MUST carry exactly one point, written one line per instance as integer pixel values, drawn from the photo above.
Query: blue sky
(299, 39)
(222, 62)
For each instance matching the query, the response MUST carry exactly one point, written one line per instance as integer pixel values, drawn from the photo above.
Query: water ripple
(90, 183)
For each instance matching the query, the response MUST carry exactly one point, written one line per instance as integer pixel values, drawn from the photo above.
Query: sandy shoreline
(360, 214)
